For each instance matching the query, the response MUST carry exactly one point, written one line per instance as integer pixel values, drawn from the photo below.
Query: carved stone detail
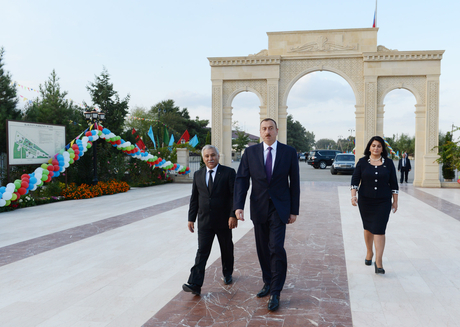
(263, 52)
(371, 110)
(217, 116)
(384, 48)
(433, 115)
(322, 45)
(413, 83)
(231, 87)
(396, 56)
(252, 60)
(350, 67)
(272, 102)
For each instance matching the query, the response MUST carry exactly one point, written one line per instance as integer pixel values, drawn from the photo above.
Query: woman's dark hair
(367, 151)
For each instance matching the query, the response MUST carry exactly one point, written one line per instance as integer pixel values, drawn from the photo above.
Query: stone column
(370, 108)
(420, 144)
(226, 148)
(380, 119)
(217, 116)
(282, 124)
(272, 108)
(431, 168)
(183, 160)
(360, 141)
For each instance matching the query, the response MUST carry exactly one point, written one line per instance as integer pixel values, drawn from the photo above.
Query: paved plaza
(120, 260)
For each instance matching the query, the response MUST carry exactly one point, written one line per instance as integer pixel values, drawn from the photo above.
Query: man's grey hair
(209, 146)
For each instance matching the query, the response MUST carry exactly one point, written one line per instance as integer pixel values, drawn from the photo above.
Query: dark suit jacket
(284, 187)
(408, 166)
(372, 185)
(212, 209)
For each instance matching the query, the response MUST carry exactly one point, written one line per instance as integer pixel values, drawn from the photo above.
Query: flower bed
(85, 191)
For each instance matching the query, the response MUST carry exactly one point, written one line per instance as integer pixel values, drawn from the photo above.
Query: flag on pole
(133, 131)
(171, 140)
(140, 144)
(185, 137)
(194, 141)
(165, 137)
(375, 15)
(150, 134)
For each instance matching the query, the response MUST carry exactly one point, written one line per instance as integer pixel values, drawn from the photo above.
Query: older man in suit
(404, 167)
(273, 169)
(212, 202)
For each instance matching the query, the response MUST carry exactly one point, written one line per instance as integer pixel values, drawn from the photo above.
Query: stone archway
(372, 71)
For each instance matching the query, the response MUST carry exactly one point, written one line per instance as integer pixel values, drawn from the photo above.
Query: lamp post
(351, 130)
(94, 117)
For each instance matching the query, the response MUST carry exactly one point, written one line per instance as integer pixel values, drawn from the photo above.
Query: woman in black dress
(375, 180)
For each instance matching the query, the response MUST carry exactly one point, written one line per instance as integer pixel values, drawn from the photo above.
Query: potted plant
(449, 157)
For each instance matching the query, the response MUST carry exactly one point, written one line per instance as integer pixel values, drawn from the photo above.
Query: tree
(298, 137)
(8, 102)
(105, 98)
(449, 155)
(242, 139)
(53, 108)
(326, 144)
(178, 121)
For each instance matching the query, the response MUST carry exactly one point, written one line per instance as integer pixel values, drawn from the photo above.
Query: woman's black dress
(375, 185)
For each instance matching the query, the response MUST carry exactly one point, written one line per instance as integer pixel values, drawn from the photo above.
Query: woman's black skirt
(374, 213)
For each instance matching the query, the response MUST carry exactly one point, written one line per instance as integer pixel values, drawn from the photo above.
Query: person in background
(404, 167)
(212, 202)
(374, 179)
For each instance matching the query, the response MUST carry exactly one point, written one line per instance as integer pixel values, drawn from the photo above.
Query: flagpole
(375, 14)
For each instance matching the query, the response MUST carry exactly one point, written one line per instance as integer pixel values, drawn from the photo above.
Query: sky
(158, 50)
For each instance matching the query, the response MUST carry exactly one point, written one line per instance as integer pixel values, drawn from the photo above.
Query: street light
(94, 117)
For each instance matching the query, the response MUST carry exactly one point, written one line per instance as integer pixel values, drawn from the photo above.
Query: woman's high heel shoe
(378, 270)
(368, 262)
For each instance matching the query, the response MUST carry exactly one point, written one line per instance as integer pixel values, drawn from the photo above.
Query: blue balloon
(105, 131)
(2, 189)
(93, 132)
(32, 180)
(56, 174)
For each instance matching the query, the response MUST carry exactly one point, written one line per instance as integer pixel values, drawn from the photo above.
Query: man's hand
(191, 226)
(239, 214)
(292, 219)
(232, 222)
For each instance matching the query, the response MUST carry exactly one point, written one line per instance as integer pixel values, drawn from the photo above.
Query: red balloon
(55, 162)
(50, 167)
(22, 190)
(48, 179)
(24, 184)
(88, 134)
(74, 146)
(18, 195)
(51, 173)
(56, 168)
(25, 176)
(99, 127)
(118, 142)
(76, 157)
(77, 151)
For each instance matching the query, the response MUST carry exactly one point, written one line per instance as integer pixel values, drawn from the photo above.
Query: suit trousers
(270, 238)
(404, 175)
(205, 240)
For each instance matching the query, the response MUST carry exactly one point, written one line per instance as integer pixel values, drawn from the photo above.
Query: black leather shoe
(228, 280)
(264, 291)
(194, 289)
(274, 302)
(368, 262)
(378, 270)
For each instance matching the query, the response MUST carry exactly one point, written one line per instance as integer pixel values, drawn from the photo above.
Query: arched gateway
(372, 71)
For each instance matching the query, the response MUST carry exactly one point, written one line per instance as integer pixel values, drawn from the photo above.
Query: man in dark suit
(212, 202)
(273, 169)
(404, 167)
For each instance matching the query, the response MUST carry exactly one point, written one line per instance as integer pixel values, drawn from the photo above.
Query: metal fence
(194, 161)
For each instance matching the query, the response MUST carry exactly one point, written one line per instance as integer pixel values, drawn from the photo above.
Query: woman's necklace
(375, 159)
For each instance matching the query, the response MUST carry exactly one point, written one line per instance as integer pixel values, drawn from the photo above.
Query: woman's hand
(354, 201)
(394, 206)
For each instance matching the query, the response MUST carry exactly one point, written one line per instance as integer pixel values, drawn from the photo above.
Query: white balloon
(2, 203)
(7, 196)
(10, 187)
(35, 187)
(66, 164)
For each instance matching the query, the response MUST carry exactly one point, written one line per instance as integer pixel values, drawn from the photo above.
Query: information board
(33, 143)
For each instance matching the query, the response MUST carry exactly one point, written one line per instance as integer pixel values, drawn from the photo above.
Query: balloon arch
(73, 152)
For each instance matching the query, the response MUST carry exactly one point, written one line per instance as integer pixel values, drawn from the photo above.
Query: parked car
(302, 156)
(343, 163)
(321, 158)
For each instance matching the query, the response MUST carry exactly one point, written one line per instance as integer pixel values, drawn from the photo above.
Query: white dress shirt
(274, 145)
(214, 170)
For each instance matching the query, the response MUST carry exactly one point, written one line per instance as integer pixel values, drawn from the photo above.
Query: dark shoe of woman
(368, 262)
(379, 270)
